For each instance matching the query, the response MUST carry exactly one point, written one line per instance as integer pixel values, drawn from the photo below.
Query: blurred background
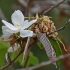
(59, 16)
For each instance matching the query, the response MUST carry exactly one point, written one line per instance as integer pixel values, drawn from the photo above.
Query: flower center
(18, 26)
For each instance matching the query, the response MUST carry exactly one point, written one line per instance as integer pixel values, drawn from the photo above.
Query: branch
(28, 7)
(25, 50)
(22, 2)
(46, 63)
(27, 57)
(17, 56)
(63, 27)
(52, 7)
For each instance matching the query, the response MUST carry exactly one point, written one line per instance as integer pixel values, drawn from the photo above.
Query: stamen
(18, 26)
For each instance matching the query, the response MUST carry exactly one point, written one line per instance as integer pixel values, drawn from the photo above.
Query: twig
(28, 7)
(27, 57)
(15, 40)
(30, 17)
(52, 7)
(25, 50)
(12, 61)
(46, 63)
(28, 51)
(63, 27)
(22, 2)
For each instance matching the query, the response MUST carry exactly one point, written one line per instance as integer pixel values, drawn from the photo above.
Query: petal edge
(26, 33)
(9, 25)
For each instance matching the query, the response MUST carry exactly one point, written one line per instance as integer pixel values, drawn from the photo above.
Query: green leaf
(40, 45)
(61, 42)
(3, 45)
(57, 49)
(3, 50)
(32, 60)
(19, 59)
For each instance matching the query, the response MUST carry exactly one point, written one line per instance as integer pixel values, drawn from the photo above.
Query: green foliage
(32, 60)
(3, 50)
(57, 48)
(19, 59)
(39, 44)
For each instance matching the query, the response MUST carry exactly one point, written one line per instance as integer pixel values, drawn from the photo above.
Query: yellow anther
(17, 24)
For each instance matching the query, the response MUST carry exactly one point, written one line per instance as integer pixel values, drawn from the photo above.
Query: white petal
(26, 33)
(16, 47)
(4, 29)
(32, 21)
(17, 17)
(9, 25)
(5, 33)
(26, 24)
(6, 36)
(12, 31)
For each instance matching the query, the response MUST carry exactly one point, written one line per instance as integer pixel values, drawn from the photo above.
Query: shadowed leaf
(39, 44)
(32, 60)
(57, 49)
(3, 50)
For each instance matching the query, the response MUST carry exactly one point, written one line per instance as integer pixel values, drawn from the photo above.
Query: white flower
(10, 49)
(19, 25)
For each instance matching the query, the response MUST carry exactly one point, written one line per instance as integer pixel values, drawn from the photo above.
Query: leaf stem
(61, 28)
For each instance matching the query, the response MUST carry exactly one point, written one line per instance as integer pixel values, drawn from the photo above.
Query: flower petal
(9, 25)
(4, 29)
(6, 36)
(10, 49)
(12, 31)
(26, 33)
(5, 33)
(32, 21)
(26, 24)
(17, 17)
